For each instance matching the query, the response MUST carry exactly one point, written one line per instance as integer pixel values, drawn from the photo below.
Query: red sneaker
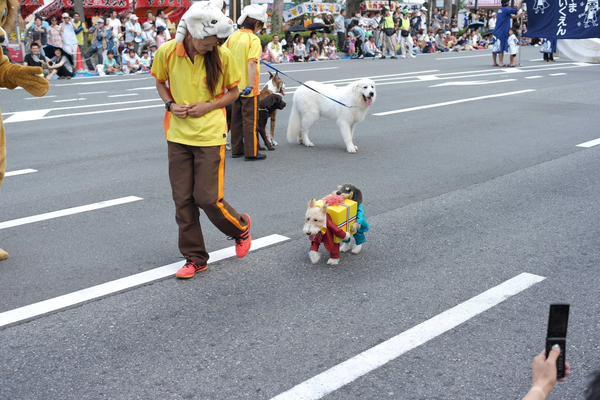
(189, 269)
(243, 242)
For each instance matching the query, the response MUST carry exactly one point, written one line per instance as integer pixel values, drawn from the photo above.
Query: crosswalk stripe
(105, 289)
(20, 172)
(67, 211)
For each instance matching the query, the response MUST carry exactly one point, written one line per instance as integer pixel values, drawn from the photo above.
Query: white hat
(423, 9)
(133, 16)
(100, 20)
(258, 12)
(202, 19)
(66, 15)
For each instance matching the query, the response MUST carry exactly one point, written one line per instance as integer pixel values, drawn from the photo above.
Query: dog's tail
(294, 125)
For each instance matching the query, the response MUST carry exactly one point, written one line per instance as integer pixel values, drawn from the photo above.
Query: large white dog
(309, 106)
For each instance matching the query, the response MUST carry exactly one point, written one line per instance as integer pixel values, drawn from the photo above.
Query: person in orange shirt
(246, 49)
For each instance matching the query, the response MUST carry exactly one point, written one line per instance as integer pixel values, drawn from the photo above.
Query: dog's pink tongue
(369, 101)
(282, 92)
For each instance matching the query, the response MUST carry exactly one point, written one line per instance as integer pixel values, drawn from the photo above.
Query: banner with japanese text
(563, 19)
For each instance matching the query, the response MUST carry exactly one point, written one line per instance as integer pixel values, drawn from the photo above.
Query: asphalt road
(476, 179)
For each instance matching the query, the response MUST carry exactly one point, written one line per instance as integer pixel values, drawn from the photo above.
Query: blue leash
(303, 84)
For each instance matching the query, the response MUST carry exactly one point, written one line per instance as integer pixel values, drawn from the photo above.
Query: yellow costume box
(343, 215)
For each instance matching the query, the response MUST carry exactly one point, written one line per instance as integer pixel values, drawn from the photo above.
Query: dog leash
(304, 84)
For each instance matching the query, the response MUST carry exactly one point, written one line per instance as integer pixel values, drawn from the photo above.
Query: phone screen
(558, 320)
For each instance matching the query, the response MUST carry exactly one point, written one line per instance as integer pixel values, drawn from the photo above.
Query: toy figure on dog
(320, 228)
(351, 192)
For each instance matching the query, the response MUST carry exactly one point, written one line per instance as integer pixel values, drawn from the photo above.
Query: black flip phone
(557, 334)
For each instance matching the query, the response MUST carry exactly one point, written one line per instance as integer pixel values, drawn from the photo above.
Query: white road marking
(43, 97)
(22, 116)
(447, 103)
(369, 360)
(294, 70)
(69, 100)
(455, 58)
(144, 88)
(20, 172)
(589, 144)
(558, 74)
(472, 83)
(533, 77)
(105, 289)
(103, 111)
(123, 95)
(94, 82)
(92, 92)
(67, 211)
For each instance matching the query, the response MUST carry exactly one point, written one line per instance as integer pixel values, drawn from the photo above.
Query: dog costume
(326, 237)
(12, 75)
(266, 107)
(361, 220)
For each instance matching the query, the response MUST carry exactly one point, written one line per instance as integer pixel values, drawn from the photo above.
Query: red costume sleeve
(334, 228)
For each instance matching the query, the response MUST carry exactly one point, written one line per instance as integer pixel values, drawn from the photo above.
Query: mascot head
(203, 19)
(8, 13)
(254, 11)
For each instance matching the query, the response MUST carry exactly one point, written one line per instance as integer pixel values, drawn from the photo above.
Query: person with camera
(38, 59)
(37, 33)
(102, 40)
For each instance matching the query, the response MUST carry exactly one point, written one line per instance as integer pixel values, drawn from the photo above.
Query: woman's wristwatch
(168, 105)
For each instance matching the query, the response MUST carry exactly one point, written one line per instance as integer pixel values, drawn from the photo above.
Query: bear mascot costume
(13, 75)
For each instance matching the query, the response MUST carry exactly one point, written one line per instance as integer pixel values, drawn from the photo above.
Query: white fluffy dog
(310, 106)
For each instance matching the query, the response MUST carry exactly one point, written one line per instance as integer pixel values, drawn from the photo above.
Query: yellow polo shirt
(187, 85)
(245, 46)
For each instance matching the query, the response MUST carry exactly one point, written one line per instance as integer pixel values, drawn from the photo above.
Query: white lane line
(20, 172)
(67, 211)
(123, 95)
(472, 83)
(103, 82)
(102, 111)
(589, 144)
(299, 70)
(533, 77)
(559, 74)
(43, 97)
(104, 91)
(69, 100)
(144, 88)
(22, 116)
(447, 103)
(105, 289)
(369, 360)
(455, 58)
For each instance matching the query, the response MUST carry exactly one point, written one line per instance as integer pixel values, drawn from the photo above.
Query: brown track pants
(244, 120)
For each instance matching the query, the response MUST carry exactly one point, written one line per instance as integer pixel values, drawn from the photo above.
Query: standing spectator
(150, 18)
(340, 27)
(62, 63)
(133, 32)
(101, 38)
(492, 22)
(436, 22)
(111, 67)
(503, 23)
(404, 37)
(113, 23)
(38, 59)
(54, 33)
(148, 34)
(68, 36)
(548, 48)
(513, 47)
(318, 19)
(389, 24)
(131, 62)
(350, 45)
(445, 21)
(37, 33)
(245, 47)
(80, 31)
(275, 50)
(423, 18)
(196, 146)
(454, 25)
(360, 36)
(161, 35)
(329, 23)
(161, 20)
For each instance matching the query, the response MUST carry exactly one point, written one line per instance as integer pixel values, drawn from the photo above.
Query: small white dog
(309, 106)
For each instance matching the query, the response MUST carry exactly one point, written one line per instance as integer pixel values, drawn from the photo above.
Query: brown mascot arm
(13, 75)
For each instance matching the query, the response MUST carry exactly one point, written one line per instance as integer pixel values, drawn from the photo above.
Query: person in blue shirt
(504, 18)
(103, 40)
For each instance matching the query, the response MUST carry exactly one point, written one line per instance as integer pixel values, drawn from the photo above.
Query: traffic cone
(79, 63)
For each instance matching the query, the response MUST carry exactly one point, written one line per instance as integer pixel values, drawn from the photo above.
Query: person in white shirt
(423, 15)
(133, 32)
(113, 23)
(68, 36)
(318, 19)
(340, 28)
(131, 62)
(513, 47)
(275, 50)
(161, 20)
(492, 22)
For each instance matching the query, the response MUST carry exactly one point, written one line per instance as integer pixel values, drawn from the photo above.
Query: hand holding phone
(557, 334)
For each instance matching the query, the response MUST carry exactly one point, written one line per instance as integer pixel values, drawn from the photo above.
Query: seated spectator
(322, 50)
(265, 56)
(369, 48)
(110, 64)
(313, 53)
(62, 63)
(330, 51)
(152, 50)
(161, 35)
(145, 61)
(37, 59)
(300, 50)
(323, 37)
(275, 49)
(440, 44)
(131, 62)
(286, 57)
(312, 40)
(349, 46)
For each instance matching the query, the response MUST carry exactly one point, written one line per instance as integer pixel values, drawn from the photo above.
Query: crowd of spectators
(116, 44)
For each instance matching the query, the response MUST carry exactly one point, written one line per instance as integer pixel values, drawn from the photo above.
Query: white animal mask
(258, 12)
(203, 19)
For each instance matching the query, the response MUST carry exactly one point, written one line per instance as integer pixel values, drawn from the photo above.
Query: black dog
(266, 107)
